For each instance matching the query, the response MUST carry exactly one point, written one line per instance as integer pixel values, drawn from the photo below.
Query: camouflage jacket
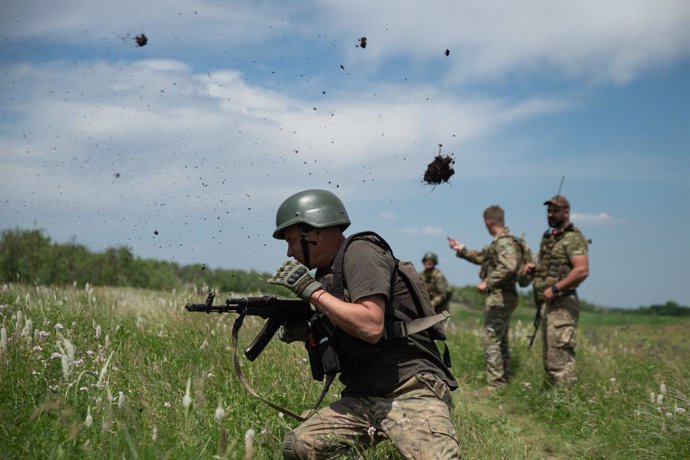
(499, 262)
(438, 288)
(556, 252)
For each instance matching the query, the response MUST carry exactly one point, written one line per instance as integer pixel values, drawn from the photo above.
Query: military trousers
(416, 417)
(495, 341)
(559, 321)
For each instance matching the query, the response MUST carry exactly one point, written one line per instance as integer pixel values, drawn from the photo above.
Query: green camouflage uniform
(438, 288)
(560, 317)
(393, 389)
(499, 262)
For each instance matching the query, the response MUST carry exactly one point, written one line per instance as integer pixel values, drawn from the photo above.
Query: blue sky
(233, 106)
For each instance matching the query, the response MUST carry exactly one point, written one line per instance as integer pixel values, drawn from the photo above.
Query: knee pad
(289, 441)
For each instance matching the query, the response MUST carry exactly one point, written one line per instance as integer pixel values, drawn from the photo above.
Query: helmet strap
(305, 242)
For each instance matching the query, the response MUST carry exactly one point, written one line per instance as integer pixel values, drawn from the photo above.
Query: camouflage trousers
(559, 320)
(495, 340)
(415, 417)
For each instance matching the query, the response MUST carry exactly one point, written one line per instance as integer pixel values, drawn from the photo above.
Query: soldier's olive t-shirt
(379, 369)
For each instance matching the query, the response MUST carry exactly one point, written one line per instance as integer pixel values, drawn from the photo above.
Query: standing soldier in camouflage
(562, 265)
(499, 264)
(435, 283)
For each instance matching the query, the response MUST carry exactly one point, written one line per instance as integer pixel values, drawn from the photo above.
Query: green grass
(136, 350)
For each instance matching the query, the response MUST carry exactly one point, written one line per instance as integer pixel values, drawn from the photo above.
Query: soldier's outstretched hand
(454, 244)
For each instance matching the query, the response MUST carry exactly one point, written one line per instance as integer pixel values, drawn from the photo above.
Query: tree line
(29, 256)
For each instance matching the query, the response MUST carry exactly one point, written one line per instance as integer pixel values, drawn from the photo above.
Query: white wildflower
(612, 380)
(83, 388)
(37, 348)
(89, 418)
(154, 433)
(659, 399)
(26, 330)
(66, 366)
(249, 444)
(98, 332)
(104, 369)
(166, 404)
(668, 414)
(68, 348)
(3, 339)
(120, 399)
(55, 355)
(89, 352)
(220, 412)
(58, 326)
(78, 362)
(187, 400)
(107, 341)
(43, 334)
(679, 410)
(652, 397)
(210, 375)
(662, 388)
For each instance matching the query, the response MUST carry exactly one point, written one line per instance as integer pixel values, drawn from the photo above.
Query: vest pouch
(329, 358)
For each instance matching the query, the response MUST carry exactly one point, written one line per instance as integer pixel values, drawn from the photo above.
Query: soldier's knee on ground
(289, 444)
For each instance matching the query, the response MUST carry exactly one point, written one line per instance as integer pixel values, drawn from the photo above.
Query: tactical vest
(421, 318)
(490, 261)
(554, 264)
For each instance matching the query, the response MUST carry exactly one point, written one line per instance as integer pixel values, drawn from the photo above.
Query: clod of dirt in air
(439, 170)
(342, 67)
(362, 42)
(141, 40)
(117, 175)
(155, 232)
(447, 52)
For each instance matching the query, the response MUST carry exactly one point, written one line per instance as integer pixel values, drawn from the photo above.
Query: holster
(320, 344)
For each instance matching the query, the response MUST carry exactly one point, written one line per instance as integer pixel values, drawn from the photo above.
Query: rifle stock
(274, 309)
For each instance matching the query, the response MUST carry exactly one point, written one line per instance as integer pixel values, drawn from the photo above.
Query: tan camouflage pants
(559, 339)
(495, 340)
(415, 417)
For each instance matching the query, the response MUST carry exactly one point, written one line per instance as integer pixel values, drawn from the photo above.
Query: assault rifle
(277, 312)
(537, 320)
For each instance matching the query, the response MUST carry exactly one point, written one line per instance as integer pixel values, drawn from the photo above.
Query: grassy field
(123, 373)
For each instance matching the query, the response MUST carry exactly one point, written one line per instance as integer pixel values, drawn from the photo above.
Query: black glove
(295, 276)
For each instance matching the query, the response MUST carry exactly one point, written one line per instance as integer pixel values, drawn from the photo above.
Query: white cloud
(595, 220)
(613, 40)
(424, 231)
(387, 215)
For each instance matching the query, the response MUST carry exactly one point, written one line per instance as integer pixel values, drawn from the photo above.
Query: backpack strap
(394, 329)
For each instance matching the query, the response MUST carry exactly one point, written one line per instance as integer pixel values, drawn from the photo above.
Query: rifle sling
(245, 384)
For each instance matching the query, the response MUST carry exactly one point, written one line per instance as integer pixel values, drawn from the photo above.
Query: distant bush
(670, 308)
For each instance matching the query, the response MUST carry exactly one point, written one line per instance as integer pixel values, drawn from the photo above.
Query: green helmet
(430, 256)
(317, 208)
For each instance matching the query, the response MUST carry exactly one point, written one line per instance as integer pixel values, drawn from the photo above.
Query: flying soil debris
(439, 170)
(141, 40)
